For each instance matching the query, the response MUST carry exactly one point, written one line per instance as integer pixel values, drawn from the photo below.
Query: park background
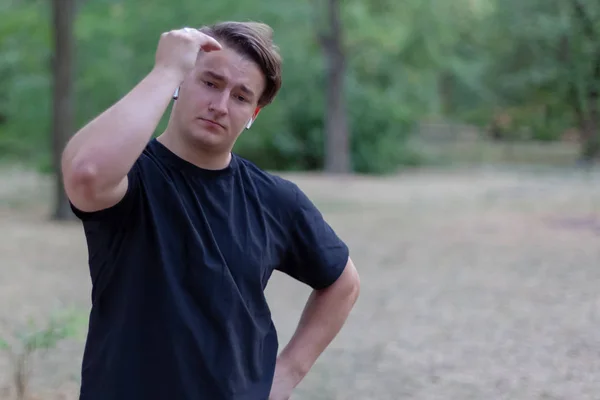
(453, 144)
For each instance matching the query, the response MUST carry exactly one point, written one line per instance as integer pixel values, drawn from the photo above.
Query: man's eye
(209, 84)
(241, 98)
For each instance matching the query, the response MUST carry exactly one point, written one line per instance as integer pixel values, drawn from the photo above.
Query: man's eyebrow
(246, 90)
(221, 78)
(214, 75)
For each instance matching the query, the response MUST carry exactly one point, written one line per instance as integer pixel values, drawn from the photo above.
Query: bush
(289, 134)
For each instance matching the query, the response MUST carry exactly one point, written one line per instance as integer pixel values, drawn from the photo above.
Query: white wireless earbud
(176, 94)
(249, 124)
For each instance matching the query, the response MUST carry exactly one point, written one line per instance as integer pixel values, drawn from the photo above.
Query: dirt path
(476, 285)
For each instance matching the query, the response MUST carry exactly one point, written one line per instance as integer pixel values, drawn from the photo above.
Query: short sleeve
(315, 255)
(122, 208)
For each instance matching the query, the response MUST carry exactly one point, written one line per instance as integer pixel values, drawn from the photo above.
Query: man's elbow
(81, 183)
(78, 177)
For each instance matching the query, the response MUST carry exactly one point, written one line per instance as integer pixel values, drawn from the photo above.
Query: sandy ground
(476, 284)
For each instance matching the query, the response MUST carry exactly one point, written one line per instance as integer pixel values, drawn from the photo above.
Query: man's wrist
(167, 75)
(294, 368)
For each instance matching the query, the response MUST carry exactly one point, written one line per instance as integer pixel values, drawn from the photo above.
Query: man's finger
(210, 44)
(207, 43)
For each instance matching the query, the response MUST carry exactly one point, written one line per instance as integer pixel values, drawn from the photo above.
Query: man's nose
(219, 102)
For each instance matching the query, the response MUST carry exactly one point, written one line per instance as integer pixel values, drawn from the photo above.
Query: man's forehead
(229, 65)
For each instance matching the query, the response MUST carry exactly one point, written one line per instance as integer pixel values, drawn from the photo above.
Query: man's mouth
(211, 122)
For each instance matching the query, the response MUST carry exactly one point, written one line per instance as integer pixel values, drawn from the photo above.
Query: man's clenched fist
(178, 49)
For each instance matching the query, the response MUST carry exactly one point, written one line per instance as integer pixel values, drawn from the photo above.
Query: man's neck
(192, 153)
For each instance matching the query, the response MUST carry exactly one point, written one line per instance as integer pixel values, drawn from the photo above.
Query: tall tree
(337, 149)
(63, 14)
(587, 96)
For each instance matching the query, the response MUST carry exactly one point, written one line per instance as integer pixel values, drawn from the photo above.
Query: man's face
(218, 98)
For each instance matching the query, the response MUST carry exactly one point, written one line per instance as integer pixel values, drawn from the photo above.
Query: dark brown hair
(255, 41)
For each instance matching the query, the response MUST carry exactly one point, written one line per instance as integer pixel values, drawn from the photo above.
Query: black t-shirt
(179, 267)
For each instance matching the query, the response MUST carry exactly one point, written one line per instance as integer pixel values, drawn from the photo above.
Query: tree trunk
(590, 136)
(63, 14)
(445, 86)
(589, 116)
(337, 148)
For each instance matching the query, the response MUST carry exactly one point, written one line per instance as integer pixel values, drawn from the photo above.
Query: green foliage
(116, 42)
(24, 79)
(538, 66)
(468, 60)
(289, 133)
(34, 337)
(380, 130)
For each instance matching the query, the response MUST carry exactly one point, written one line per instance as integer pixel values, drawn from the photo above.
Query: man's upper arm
(316, 255)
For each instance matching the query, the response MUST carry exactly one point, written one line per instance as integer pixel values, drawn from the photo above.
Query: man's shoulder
(270, 182)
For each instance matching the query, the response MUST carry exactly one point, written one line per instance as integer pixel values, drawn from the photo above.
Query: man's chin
(206, 138)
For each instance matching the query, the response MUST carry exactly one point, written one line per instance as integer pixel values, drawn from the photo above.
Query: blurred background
(453, 144)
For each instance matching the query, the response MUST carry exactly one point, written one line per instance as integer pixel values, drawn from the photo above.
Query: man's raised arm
(96, 160)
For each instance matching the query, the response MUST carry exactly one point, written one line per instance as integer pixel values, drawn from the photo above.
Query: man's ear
(253, 118)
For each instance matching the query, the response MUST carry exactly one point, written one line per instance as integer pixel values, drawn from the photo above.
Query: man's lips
(210, 121)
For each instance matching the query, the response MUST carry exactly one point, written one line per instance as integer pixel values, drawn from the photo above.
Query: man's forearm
(323, 317)
(109, 145)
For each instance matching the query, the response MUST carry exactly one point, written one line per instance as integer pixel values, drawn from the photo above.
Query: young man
(183, 235)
